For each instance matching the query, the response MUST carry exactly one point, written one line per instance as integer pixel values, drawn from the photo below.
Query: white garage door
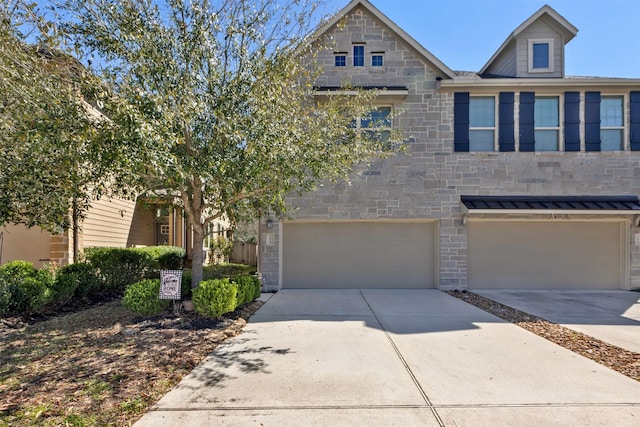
(546, 255)
(358, 255)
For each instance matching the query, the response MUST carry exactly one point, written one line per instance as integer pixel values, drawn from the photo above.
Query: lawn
(100, 366)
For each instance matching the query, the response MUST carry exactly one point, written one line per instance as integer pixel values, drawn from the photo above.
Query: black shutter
(635, 121)
(527, 130)
(461, 121)
(592, 121)
(572, 121)
(506, 137)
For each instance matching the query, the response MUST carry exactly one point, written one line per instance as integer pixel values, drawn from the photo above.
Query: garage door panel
(545, 255)
(358, 255)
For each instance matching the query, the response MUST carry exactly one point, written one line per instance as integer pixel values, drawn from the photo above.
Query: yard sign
(170, 284)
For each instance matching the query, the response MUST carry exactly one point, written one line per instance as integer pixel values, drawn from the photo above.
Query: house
(516, 176)
(109, 223)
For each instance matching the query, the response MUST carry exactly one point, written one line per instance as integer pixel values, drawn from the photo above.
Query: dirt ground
(102, 365)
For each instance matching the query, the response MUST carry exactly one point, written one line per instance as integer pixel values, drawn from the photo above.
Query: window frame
(340, 54)
(485, 128)
(360, 129)
(558, 129)
(622, 128)
(376, 55)
(357, 57)
(550, 43)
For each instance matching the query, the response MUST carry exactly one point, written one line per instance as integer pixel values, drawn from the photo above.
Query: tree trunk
(197, 258)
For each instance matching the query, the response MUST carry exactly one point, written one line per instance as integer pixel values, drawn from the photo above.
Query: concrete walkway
(610, 316)
(387, 358)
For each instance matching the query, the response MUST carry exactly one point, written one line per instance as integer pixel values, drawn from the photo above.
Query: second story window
(547, 123)
(377, 124)
(541, 55)
(482, 123)
(377, 59)
(358, 55)
(341, 59)
(612, 123)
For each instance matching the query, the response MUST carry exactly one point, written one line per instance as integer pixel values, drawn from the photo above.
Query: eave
(533, 84)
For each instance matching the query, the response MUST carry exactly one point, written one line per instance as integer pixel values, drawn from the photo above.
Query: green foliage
(227, 270)
(221, 248)
(144, 298)
(119, 267)
(81, 276)
(186, 284)
(165, 257)
(23, 288)
(213, 298)
(248, 288)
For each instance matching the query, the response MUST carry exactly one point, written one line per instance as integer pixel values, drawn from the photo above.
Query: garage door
(358, 255)
(546, 255)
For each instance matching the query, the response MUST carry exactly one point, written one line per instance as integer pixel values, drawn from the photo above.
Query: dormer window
(541, 56)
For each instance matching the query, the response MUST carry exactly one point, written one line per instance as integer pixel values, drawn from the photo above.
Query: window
(164, 228)
(612, 123)
(377, 124)
(377, 60)
(482, 123)
(341, 59)
(541, 56)
(547, 123)
(358, 55)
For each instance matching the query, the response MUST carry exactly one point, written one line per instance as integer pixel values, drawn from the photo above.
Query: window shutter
(592, 121)
(506, 137)
(635, 121)
(461, 121)
(572, 121)
(527, 134)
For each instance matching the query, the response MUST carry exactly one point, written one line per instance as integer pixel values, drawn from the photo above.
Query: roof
(544, 204)
(567, 29)
(400, 33)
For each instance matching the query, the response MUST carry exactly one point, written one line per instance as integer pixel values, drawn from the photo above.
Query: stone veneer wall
(429, 179)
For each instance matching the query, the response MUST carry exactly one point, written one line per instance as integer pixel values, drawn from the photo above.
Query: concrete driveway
(610, 316)
(392, 357)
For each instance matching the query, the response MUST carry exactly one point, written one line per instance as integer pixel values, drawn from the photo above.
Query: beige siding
(506, 64)
(541, 29)
(22, 243)
(108, 223)
(546, 255)
(359, 254)
(142, 232)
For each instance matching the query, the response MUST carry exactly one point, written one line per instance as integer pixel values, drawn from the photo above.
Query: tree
(224, 96)
(57, 151)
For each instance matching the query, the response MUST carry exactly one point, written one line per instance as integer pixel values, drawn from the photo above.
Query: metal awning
(581, 205)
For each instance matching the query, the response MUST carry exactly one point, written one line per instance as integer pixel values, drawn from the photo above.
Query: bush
(165, 257)
(186, 284)
(228, 270)
(213, 298)
(82, 276)
(248, 288)
(119, 267)
(23, 288)
(144, 298)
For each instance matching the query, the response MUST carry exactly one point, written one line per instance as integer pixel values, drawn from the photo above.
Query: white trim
(623, 128)
(510, 84)
(495, 123)
(550, 55)
(559, 128)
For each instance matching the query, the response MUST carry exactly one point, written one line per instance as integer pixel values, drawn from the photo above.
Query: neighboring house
(109, 223)
(516, 176)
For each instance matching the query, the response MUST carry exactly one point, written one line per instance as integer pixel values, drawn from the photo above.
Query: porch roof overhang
(549, 205)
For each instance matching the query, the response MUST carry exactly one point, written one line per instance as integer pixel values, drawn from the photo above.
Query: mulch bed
(103, 365)
(624, 361)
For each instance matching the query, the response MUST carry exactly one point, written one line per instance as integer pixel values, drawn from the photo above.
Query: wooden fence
(244, 253)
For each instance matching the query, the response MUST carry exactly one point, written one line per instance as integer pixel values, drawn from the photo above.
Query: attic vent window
(541, 56)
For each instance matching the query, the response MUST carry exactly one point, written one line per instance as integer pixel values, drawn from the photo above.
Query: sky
(464, 34)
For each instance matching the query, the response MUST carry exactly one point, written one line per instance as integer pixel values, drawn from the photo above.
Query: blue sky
(464, 34)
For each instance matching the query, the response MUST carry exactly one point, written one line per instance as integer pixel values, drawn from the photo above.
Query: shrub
(119, 267)
(143, 297)
(248, 288)
(165, 257)
(186, 284)
(220, 271)
(82, 276)
(213, 298)
(23, 288)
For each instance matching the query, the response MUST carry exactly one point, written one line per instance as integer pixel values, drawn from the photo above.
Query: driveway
(392, 357)
(610, 316)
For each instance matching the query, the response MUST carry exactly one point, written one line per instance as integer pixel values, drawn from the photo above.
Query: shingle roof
(569, 203)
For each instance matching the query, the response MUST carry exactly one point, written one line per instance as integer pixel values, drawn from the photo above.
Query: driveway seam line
(404, 363)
